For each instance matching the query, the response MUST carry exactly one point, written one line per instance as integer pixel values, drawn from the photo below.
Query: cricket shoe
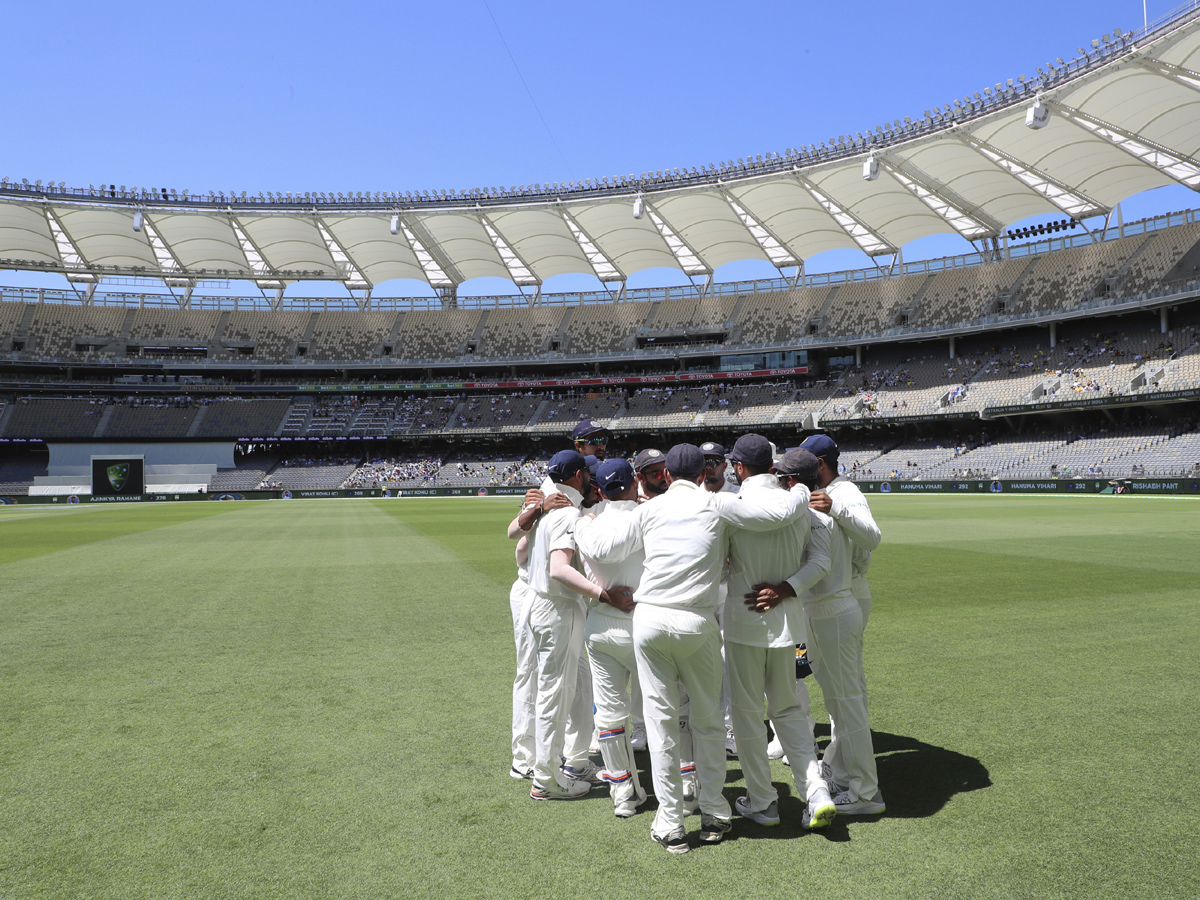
(588, 771)
(674, 842)
(713, 829)
(775, 749)
(819, 812)
(827, 777)
(519, 772)
(572, 790)
(638, 739)
(848, 806)
(627, 808)
(768, 816)
(730, 743)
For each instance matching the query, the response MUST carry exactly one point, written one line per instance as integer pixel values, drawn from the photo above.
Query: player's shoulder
(818, 519)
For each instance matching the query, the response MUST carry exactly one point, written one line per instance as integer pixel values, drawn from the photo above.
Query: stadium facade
(1084, 328)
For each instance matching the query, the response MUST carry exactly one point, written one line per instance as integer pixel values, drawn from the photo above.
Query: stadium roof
(1121, 118)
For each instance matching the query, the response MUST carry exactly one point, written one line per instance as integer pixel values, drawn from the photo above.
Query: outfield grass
(311, 699)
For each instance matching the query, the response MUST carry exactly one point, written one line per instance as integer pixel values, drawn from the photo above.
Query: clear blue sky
(247, 96)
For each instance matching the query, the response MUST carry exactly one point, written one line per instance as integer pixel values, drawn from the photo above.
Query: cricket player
(715, 465)
(651, 467)
(761, 634)
(563, 720)
(591, 439)
(609, 640)
(842, 501)
(685, 537)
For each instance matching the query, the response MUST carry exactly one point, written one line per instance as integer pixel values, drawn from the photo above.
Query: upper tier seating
(520, 332)
(340, 335)
(436, 334)
(276, 333)
(234, 418)
(48, 418)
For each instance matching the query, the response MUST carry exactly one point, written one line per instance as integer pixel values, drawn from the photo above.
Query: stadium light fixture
(1038, 115)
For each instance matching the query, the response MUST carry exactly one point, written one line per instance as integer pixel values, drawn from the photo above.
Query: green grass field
(311, 699)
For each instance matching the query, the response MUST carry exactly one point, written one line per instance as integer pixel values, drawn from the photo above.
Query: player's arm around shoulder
(853, 515)
(817, 560)
(610, 537)
(761, 510)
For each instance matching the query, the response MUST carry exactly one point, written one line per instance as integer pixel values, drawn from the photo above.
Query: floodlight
(870, 168)
(1038, 115)
(1095, 44)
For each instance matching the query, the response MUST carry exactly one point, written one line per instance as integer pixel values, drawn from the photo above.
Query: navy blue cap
(798, 463)
(648, 457)
(564, 464)
(586, 428)
(614, 476)
(712, 448)
(822, 446)
(593, 463)
(753, 450)
(685, 461)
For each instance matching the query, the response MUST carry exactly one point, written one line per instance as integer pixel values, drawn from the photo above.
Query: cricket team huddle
(691, 596)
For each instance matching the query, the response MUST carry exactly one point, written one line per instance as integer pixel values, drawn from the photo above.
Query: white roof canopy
(1123, 118)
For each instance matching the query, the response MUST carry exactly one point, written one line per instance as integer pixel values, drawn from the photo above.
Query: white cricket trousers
(525, 681)
(833, 752)
(755, 671)
(674, 647)
(610, 651)
(835, 654)
(563, 706)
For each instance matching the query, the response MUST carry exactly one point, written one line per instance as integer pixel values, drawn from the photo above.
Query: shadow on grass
(917, 780)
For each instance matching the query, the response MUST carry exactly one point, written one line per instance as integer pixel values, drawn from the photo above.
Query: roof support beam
(263, 275)
(518, 269)
(780, 255)
(687, 258)
(72, 260)
(1178, 74)
(1069, 200)
(352, 276)
(957, 213)
(434, 273)
(168, 262)
(1174, 165)
(868, 241)
(605, 269)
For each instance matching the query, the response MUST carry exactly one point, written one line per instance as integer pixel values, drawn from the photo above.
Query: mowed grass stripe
(54, 529)
(312, 699)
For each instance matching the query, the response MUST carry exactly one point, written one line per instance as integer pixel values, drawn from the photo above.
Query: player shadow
(917, 780)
